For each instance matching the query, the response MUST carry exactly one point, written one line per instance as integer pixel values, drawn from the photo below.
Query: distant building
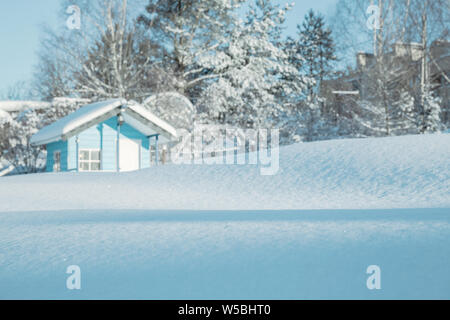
(404, 63)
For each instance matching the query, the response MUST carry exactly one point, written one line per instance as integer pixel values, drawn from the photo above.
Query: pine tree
(316, 46)
(312, 53)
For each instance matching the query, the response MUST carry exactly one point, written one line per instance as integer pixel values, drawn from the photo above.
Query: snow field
(226, 232)
(401, 172)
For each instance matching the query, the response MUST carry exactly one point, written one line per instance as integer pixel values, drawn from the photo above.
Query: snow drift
(399, 172)
(120, 232)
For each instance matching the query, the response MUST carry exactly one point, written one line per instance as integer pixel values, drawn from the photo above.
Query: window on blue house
(89, 160)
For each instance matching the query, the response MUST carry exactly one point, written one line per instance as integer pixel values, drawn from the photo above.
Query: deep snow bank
(398, 172)
(110, 226)
(225, 255)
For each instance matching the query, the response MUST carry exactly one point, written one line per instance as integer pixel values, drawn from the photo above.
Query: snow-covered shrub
(174, 108)
(15, 146)
(16, 132)
(4, 116)
(431, 112)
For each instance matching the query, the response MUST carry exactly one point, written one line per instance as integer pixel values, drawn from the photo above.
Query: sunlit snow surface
(213, 232)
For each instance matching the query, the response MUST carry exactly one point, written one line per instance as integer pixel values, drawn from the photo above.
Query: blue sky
(21, 25)
(20, 29)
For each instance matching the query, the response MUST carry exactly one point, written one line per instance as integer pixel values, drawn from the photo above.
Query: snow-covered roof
(149, 116)
(15, 106)
(89, 115)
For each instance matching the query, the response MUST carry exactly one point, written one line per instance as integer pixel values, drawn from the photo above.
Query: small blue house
(113, 135)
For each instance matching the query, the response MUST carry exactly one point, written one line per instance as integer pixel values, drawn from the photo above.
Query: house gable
(93, 131)
(102, 137)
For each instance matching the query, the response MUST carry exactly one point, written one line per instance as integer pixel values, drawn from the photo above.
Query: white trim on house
(149, 116)
(89, 161)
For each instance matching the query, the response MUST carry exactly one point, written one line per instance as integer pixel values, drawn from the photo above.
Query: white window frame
(56, 165)
(90, 161)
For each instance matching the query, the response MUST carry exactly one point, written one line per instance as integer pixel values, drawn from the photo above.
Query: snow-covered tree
(4, 116)
(116, 66)
(399, 36)
(174, 108)
(395, 114)
(431, 112)
(109, 56)
(312, 53)
(16, 131)
(403, 115)
(15, 146)
(191, 30)
(257, 83)
(316, 46)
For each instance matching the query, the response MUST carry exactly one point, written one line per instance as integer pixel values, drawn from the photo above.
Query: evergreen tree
(256, 87)
(403, 114)
(312, 54)
(395, 115)
(316, 46)
(431, 112)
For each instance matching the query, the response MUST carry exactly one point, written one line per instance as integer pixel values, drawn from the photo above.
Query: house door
(129, 154)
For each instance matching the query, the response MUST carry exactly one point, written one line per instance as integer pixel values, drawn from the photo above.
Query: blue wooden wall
(53, 147)
(103, 137)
